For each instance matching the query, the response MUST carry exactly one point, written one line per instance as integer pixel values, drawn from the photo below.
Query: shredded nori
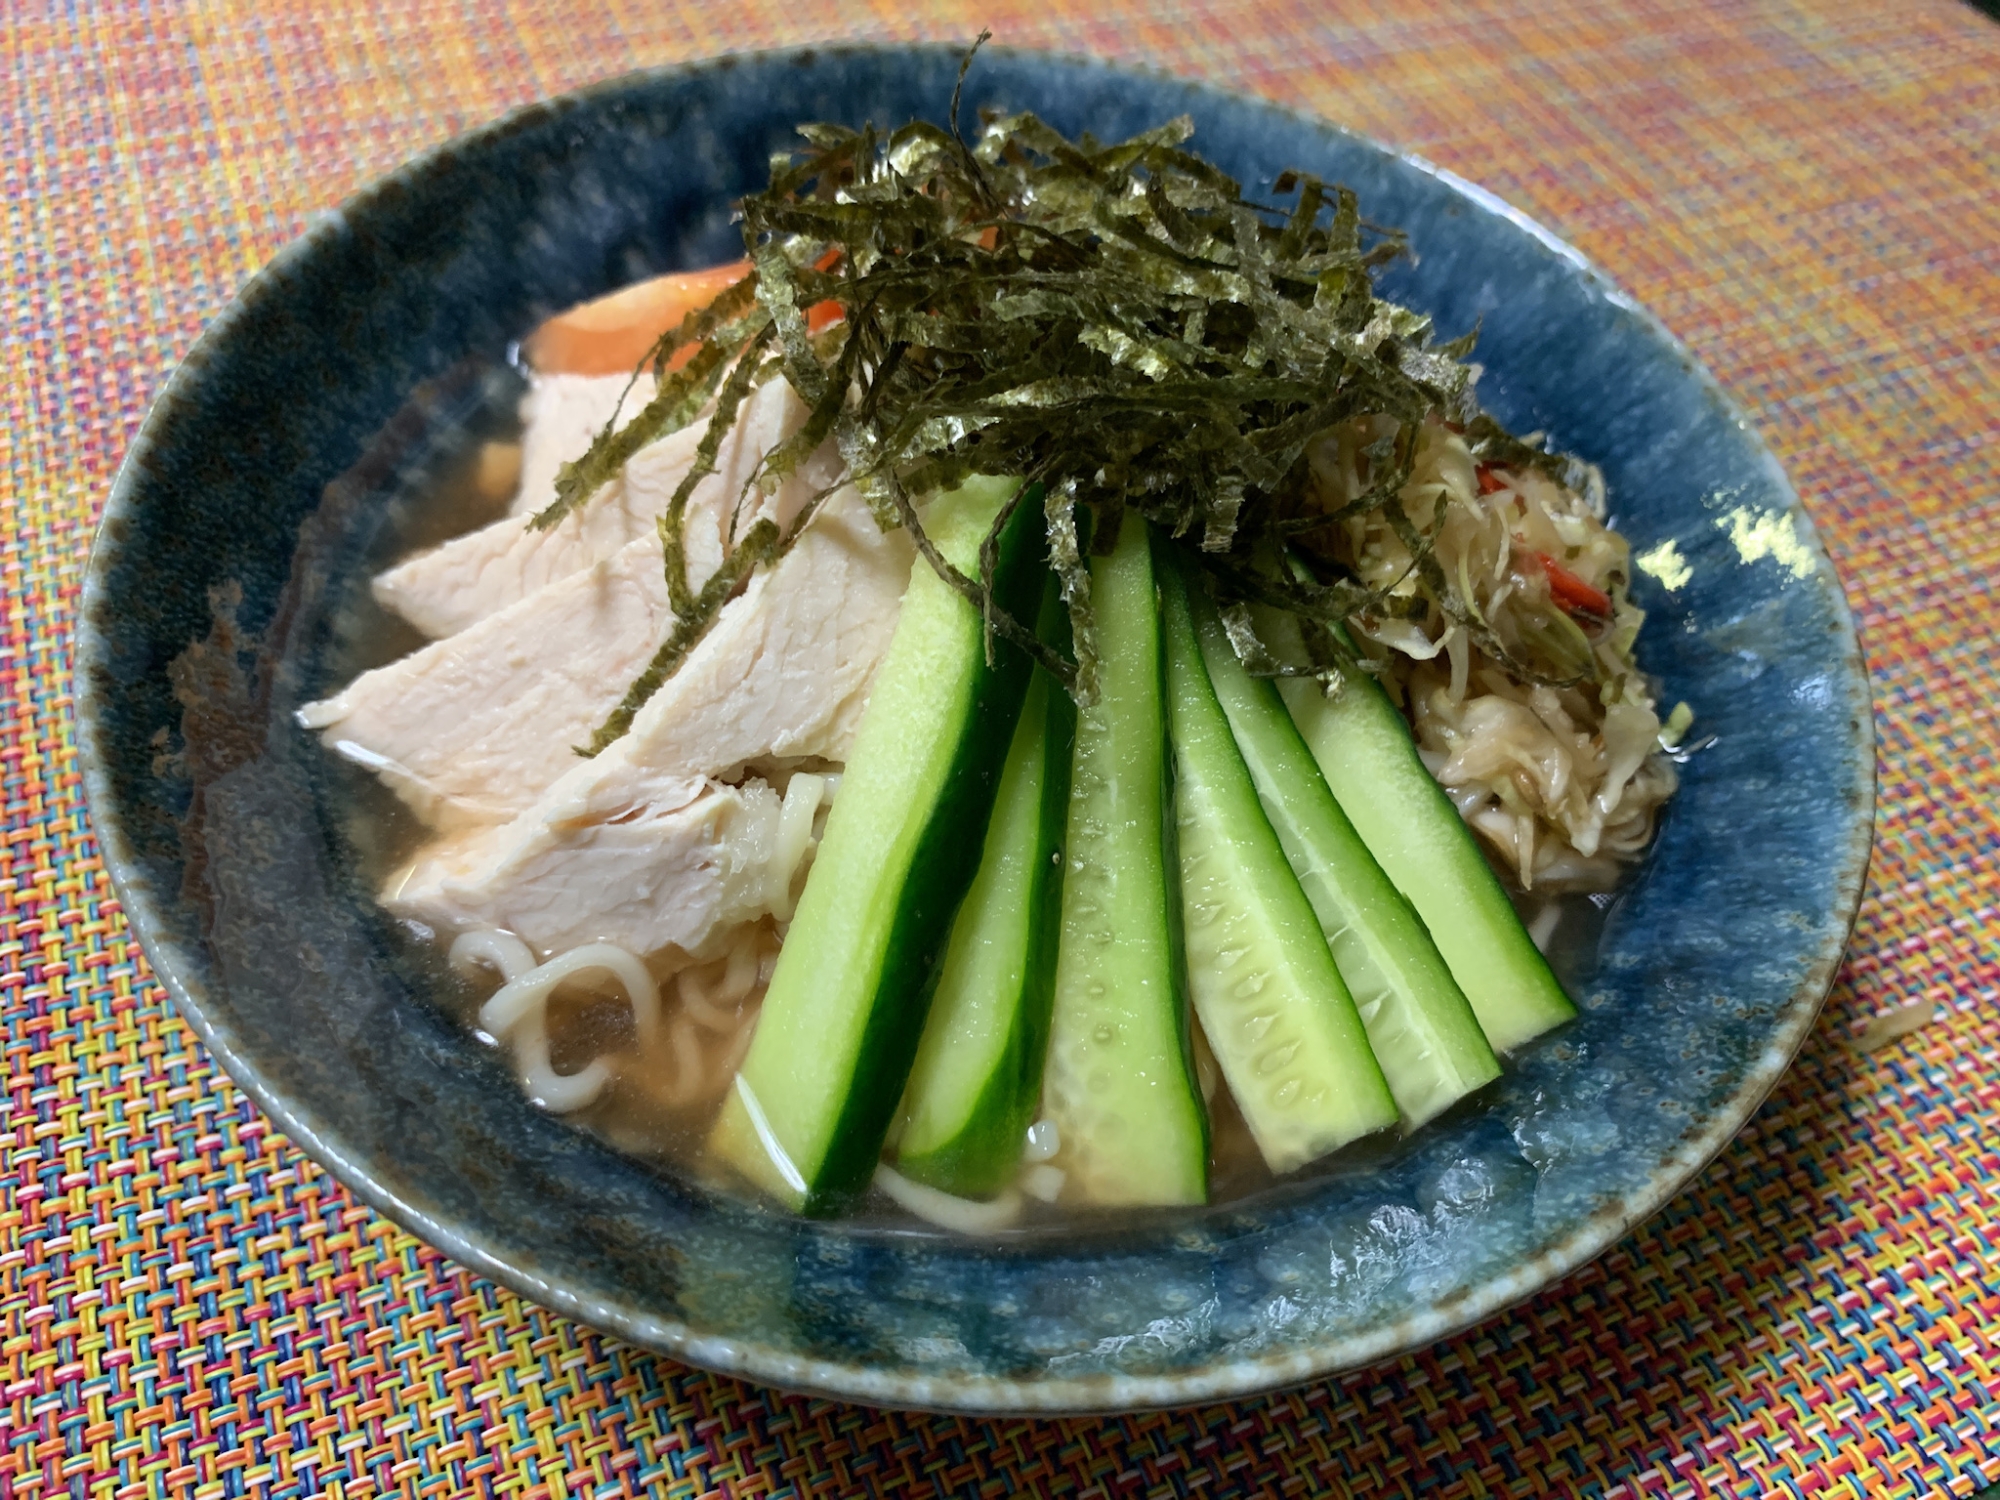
(1116, 323)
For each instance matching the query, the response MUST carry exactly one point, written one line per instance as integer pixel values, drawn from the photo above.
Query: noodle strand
(964, 1215)
(517, 1012)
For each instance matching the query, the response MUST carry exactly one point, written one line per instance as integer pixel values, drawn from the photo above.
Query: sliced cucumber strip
(1119, 1083)
(1364, 750)
(978, 1074)
(1420, 1026)
(1271, 1000)
(840, 1022)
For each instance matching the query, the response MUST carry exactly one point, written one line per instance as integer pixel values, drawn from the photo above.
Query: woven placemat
(1808, 194)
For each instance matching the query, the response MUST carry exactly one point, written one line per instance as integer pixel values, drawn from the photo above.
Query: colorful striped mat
(1808, 193)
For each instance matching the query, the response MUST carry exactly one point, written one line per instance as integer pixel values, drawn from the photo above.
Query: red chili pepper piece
(1490, 481)
(1571, 592)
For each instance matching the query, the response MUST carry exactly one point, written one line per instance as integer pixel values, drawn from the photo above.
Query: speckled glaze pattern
(261, 476)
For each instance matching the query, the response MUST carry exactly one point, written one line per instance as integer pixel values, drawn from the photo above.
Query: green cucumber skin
(1221, 814)
(1380, 945)
(946, 860)
(940, 868)
(1167, 1161)
(983, 1156)
(1364, 749)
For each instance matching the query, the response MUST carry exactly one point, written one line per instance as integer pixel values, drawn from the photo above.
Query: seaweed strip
(1116, 321)
(727, 401)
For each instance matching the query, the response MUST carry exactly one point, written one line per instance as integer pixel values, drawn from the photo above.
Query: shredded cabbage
(1562, 782)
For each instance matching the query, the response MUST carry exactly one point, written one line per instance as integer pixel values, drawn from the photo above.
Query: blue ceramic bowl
(284, 449)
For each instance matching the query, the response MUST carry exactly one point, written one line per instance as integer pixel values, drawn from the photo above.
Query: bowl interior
(285, 449)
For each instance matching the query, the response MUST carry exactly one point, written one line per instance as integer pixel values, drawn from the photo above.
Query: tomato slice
(611, 334)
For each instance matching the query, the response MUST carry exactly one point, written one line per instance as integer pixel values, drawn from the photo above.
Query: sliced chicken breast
(471, 729)
(784, 679)
(667, 877)
(454, 586)
(783, 675)
(560, 416)
(474, 729)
